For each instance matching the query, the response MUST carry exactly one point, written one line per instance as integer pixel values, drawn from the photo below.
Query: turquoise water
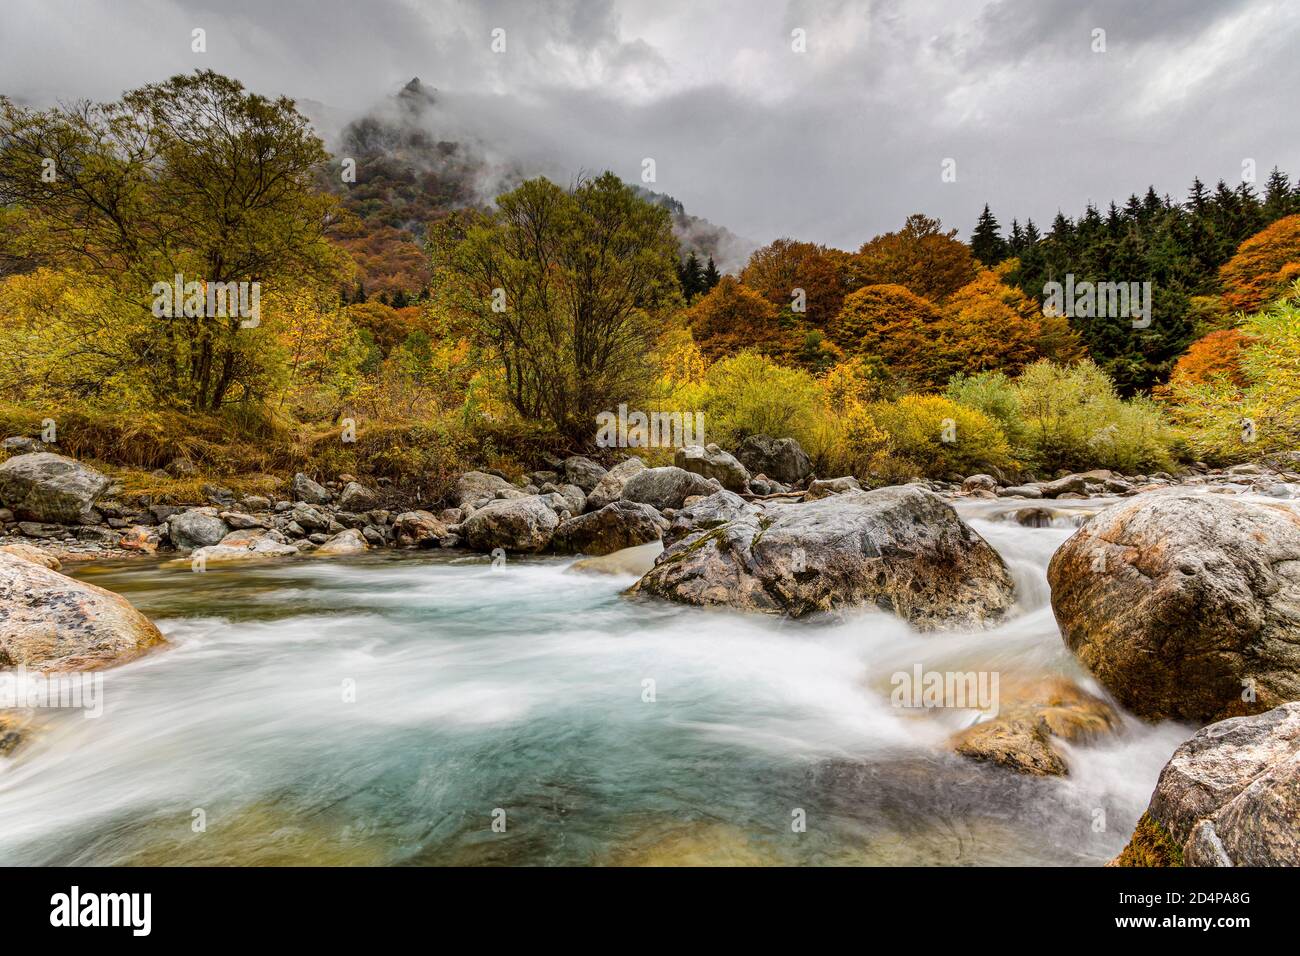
(520, 694)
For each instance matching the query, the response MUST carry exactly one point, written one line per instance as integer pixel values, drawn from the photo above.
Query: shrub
(1074, 419)
(750, 394)
(994, 394)
(934, 436)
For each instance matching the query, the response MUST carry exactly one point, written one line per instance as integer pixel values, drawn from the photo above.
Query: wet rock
(303, 488)
(1030, 719)
(667, 487)
(618, 525)
(44, 487)
(1075, 484)
(1185, 606)
(139, 538)
(417, 529)
(630, 561)
(710, 461)
(31, 553)
(515, 524)
(1022, 491)
(196, 528)
(611, 484)
(350, 541)
(248, 545)
(50, 622)
(1230, 796)
(901, 549)
(780, 459)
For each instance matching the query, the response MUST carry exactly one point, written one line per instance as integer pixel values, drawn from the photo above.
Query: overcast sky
(834, 144)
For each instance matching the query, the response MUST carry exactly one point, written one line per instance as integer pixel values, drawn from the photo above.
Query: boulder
(1077, 483)
(34, 554)
(618, 525)
(1020, 491)
(667, 487)
(417, 529)
(575, 501)
(632, 562)
(823, 488)
(780, 459)
(515, 524)
(350, 541)
(1184, 605)
(710, 461)
(309, 518)
(303, 488)
(979, 483)
(478, 486)
(901, 549)
(247, 545)
(709, 512)
(196, 528)
(357, 497)
(611, 485)
(1230, 796)
(583, 472)
(42, 486)
(50, 622)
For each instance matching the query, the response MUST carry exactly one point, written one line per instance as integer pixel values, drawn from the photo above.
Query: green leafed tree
(568, 287)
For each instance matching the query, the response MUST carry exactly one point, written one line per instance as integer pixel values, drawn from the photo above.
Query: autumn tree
(568, 288)
(901, 329)
(808, 279)
(1215, 355)
(1264, 266)
(929, 261)
(194, 177)
(733, 317)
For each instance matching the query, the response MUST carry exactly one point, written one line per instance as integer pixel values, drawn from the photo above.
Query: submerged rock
(42, 486)
(1021, 737)
(1185, 606)
(1230, 796)
(634, 561)
(51, 622)
(901, 549)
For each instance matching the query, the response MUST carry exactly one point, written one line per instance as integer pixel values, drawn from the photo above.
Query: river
(429, 708)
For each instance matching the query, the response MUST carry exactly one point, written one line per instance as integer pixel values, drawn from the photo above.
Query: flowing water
(389, 709)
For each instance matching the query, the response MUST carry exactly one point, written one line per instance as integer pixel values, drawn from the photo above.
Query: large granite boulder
(42, 486)
(901, 549)
(51, 622)
(781, 459)
(515, 524)
(611, 484)
(618, 525)
(1230, 796)
(1185, 605)
(667, 487)
(476, 488)
(710, 461)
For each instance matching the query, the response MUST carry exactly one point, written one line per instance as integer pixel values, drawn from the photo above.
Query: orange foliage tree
(732, 317)
(1216, 355)
(1264, 266)
(781, 267)
(921, 256)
